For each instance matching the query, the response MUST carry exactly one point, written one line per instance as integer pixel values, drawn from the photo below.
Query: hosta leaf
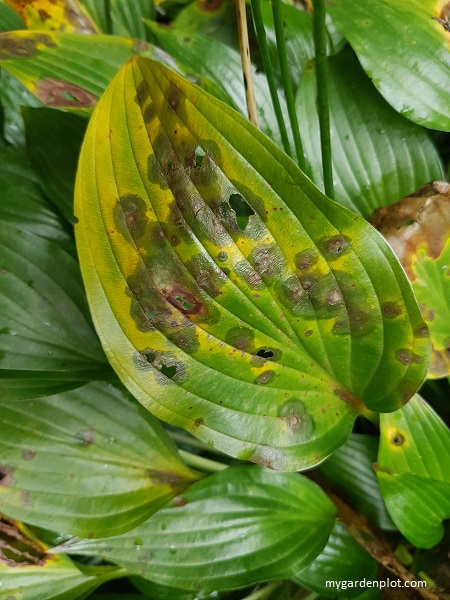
(350, 468)
(228, 531)
(99, 14)
(216, 19)
(153, 590)
(47, 342)
(262, 336)
(90, 462)
(54, 140)
(66, 16)
(414, 471)
(221, 65)
(29, 573)
(418, 229)
(66, 70)
(378, 156)
(14, 95)
(127, 17)
(9, 19)
(403, 46)
(341, 559)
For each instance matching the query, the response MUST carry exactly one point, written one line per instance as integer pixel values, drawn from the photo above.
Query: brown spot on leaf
(86, 437)
(179, 501)
(348, 397)
(28, 454)
(265, 377)
(391, 310)
(199, 422)
(54, 92)
(397, 439)
(184, 301)
(6, 476)
(173, 98)
(165, 478)
(297, 419)
(241, 338)
(335, 246)
(210, 5)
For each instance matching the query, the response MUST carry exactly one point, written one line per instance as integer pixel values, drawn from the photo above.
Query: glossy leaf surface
(90, 462)
(342, 559)
(13, 96)
(418, 229)
(29, 573)
(221, 65)
(378, 156)
(54, 141)
(414, 471)
(404, 49)
(351, 470)
(261, 336)
(228, 531)
(47, 342)
(127, 17)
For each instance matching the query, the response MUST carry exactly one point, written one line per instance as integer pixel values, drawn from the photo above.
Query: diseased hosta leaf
(342, 559)
(221, 65)
(228, 531)
(66, 16)
(261, 336)
(66, 70)
(54, 140)
(414, 471)
(418, 229)
(28, 572)
(403, 46)
(378, 156)
(89, 462)
(350, 468)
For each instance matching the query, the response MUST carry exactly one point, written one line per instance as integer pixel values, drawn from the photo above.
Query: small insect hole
(242, 209)
(150, 356)
(169, 372)
(199, 156)
(265, 353)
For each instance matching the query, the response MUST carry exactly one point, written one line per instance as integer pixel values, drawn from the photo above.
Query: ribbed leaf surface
(232, 298)
(233, 529)
(414, 471)
(90, 462)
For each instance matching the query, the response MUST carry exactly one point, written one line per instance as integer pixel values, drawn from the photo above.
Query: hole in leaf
(68, 96)
(398, 439)
(169, 372)
(185, 305)
(199, 156)
(150, 356)
(265, 353)
(242, 209)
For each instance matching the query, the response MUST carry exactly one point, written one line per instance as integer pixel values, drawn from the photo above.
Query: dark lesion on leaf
(6, 478)
(163, 364)
(17, 550)
(54, 92)
(13, 45)
(184, 300)
(165, 478)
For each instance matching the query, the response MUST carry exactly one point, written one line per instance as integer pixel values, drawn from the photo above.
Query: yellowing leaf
(67, 16)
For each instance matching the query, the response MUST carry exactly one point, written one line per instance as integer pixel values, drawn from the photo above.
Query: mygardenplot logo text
(370, 583)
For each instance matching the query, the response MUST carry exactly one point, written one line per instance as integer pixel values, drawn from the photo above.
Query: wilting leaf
(403, 46)
(228, 531)
(342, 559)
(350, 469)
(262, 338)
(47, 342)
(378, 156)
(66, 16)
(54, 140)
(90, 462)
(414, 471)
(221, 65)
(418, 229)
(26, 569)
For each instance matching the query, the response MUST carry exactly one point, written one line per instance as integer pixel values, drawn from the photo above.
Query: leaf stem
(201, 463)
(246, 64)
(180, 437)
(287, 85)
(267, 64)
(264, 592)
(320, 41)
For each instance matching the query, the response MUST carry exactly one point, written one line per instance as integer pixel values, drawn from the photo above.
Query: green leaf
(228, 531)
(47, 342)
(90, 462)
(414, 471)
(99, 14)
(293, 313)
(28, 572)
(342, 559)
(54, 141)
(404, 50)
(214, 19)
(155, 591)
(9, 19)
(127, 17)
(221, 65)
(350, 468)
(378, 156)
